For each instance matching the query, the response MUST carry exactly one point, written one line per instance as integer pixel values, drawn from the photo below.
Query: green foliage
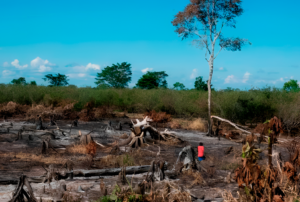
(58, 80)
(113, 195)
(152, 80)
(291, 85)
(229, 89)
(117, 76)
(132, 198)
(19, 81)
(78, 106)
(178, 86)
(33, 83)
(201, 85)
(22, 81)
(250, 152)
(238, 106)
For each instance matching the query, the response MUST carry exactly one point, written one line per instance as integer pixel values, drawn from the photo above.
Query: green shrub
(252, 106)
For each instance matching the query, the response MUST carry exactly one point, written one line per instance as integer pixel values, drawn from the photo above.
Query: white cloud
(230, 79)
(16, 64)
(246, 77)
(221, 68)
(5, 64)
(42, 65)
(146, 70)
(6, 72)
(92, 66)
(76, 75)
(194, 74)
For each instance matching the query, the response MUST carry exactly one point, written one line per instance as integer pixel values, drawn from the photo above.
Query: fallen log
(84, 173)
(6, 124)
(234, 125)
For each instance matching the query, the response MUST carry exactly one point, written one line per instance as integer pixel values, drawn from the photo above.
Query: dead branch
(234, 125)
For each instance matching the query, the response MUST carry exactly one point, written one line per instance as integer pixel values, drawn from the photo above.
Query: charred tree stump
(52, 122)
(46, 145)
(217, 131)
(156, 171)
(30, 137)
(119, 126)
(20, 194)
(75, 123)
(187, 156)
(109, 127)
(19, 135)
(39, 125)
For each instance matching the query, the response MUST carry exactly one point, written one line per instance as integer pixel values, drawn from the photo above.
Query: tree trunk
(211, 67)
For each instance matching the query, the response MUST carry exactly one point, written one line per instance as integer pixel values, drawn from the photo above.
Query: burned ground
(24, 156)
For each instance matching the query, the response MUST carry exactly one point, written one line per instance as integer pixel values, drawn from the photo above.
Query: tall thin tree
(206, 19)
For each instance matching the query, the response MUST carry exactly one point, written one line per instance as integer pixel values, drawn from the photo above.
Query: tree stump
(86, 139)
(52, 122)
(119, 126)
(187, 156)
(156, 171)
(39, 125)
(19, 135)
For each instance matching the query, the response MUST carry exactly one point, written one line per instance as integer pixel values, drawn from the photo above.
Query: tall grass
(241, 106)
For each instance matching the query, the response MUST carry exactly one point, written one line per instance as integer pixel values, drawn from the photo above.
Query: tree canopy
(117, 76)
(19, 81)
(178, 86)
(291, 85)
(22, 81)
(200, 84)
(152, 80)
(57, 80)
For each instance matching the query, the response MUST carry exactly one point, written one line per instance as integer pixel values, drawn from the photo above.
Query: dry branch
(234, 125)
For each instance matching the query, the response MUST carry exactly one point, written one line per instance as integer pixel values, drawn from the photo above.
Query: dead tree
(241, 128)
(20, 194)
(156, 171)
(139, 131)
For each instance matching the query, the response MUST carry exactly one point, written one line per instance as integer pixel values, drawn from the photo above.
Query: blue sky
(80, 38)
